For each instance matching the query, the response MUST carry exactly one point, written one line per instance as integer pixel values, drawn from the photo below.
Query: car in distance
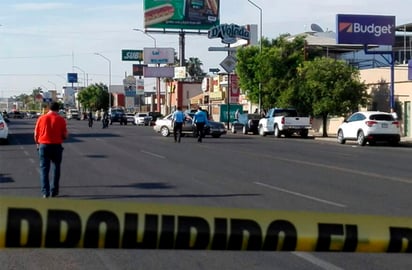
(247, 122)
(142, 119)
(73, 114)
(4, 130)
(130, 118)
(369, 127)
(117, 115)
(164, 127)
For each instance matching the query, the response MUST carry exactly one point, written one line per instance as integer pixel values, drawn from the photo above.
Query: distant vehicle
(154, 116)
(284, 121)
(142, 119)
(117, 115)
(4, 130)
(130, 118)
(247, 122)
(15, 115)
(32, 114)
(369, 127)
(164, 127)
(73, 114)
(62, 113)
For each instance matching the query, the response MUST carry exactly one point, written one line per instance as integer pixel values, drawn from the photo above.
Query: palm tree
(194, 69)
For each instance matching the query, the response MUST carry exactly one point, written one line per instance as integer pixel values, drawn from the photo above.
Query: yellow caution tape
(63, 223)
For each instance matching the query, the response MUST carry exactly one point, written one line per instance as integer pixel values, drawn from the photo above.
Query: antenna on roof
(316, 27)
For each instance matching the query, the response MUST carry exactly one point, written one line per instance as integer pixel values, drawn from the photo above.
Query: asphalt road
(131, 163)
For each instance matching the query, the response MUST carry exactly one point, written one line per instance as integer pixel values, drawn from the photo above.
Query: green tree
(325, 87)
(94, 97)
(194, 69)
(275, 67)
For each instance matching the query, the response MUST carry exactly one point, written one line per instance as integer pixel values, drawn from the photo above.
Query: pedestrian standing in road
(178, 118)
(105, 120)
(200, 120)
(49, 133)
(90, 119)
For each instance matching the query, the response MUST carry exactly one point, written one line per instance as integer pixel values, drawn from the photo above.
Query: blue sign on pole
(72, 77)
(365, 29)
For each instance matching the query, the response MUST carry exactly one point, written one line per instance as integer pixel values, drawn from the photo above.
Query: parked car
(247, 122)
(371, 127)
(4, 130)
(142, 119)
(284, 121)
(164, 127)
(15, 115)
(117, 115)
(130, 118)
(154, 116)
(32, 114)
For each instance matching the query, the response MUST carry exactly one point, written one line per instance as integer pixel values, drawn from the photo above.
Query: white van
(73, 114)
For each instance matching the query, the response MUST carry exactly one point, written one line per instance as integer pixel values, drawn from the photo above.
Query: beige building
(378, 81)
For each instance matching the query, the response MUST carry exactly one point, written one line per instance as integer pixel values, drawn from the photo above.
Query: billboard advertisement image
(365, 29)
(181, 14)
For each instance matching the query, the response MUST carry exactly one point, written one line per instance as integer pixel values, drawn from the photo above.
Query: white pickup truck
(282, 121)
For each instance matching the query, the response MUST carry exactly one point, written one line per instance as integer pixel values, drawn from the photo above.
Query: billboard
(365, 29)
(181, 14)
(159, 72)
(132, 55)
(159, 55)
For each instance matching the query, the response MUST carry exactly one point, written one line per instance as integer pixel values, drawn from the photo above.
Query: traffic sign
(72, 77)
(214, 70)
(229, 63)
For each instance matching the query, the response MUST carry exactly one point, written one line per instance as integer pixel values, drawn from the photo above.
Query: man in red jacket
(49, 133)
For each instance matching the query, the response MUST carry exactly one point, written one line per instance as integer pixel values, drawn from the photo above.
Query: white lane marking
(26, 153)
(300, 195)
(152, 154)
(31, 160)
(316, 261)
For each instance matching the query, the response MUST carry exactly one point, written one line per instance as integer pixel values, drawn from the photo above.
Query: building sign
(365, 29)
(140, 87)
(132, 55)
(216, 96)
(234, 89)
(229, 33)
(129, 86)
(181, 14)
(159, 55)
(138, 69)
(159, 72)
(180, 72)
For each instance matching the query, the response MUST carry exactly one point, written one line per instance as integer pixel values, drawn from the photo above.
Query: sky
(41, 41)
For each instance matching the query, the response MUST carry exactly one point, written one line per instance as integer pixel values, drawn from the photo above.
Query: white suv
(73, 114)
(369, 126)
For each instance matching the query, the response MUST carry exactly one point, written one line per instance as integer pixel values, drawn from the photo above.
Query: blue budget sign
(365, 29)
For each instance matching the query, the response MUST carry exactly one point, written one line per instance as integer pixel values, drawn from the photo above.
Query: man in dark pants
(177, 122)
(200, 120)
(49, 133)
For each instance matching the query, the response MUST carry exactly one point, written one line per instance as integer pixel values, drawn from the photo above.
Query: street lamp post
(110, 77)
(260, 49)
(85, 80)
(147, 34)
(157, 79)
